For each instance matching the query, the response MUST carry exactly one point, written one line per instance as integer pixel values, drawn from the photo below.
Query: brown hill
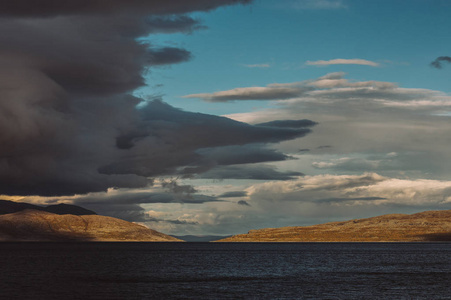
(34, 225)
(420, 227)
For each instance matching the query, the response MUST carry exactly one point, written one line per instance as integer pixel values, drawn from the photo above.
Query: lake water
(225, 271)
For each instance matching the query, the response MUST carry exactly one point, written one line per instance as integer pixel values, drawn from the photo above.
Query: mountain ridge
(8, 207)
(37, 225)
(419, 227)
(201, 238)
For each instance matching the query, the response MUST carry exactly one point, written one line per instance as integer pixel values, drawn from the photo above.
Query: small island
(428, 226)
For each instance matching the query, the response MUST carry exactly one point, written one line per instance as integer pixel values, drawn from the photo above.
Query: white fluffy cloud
(356, 190)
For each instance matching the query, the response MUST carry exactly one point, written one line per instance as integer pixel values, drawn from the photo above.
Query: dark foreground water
(220, 270)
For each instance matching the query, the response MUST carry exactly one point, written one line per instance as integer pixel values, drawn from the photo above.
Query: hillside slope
(34, 225)
(425, 226)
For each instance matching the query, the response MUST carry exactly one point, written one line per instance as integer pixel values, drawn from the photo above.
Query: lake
(225, 271)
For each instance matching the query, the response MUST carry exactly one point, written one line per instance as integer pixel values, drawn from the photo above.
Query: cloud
(68, 122)
(258, 66)
(161, 217)
(361, 122)
(341, 61)
(315, 199)
(128, 204)
(232, 155)
(269, 92)
(192, 140)
(373, 94)
(370, 188)
(330, 85)
(47, 8)
(140, 197)
(168, 55)
(347, 163)
(390, 162)
(244, 203)
(437, 63)
(173, 24)
(255, 172)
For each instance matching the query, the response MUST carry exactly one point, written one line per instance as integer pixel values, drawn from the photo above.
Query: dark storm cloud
(232, 155)
(173, 187)
(44, 8)
(437, 63)
(289, 123)
(173, 24)
(256, 172)
(244, 203)
(168, 55)
(179, 138)
(234, 194)
(145, 198)
(82, 55)
(68, 122)
(213, 131)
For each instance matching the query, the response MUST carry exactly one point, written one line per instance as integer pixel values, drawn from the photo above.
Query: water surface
(225, 270)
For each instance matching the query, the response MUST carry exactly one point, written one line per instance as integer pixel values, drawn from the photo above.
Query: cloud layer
(307, 200)
(331, 86)
(49, 8)
(68, 121)
(341, 61)
(367, 126)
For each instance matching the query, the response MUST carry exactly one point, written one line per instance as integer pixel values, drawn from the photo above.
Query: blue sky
(402, 38)
(248, 114)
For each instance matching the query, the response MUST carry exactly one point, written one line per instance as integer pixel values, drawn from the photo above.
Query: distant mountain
(420, 227)
(201, 238)
(68, 209)
(37, 225)
(7, 207)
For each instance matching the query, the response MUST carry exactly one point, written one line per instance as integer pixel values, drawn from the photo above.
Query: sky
(220, 116)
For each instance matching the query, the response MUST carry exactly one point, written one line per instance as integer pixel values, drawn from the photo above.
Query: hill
(420, 227)
(37, 225)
